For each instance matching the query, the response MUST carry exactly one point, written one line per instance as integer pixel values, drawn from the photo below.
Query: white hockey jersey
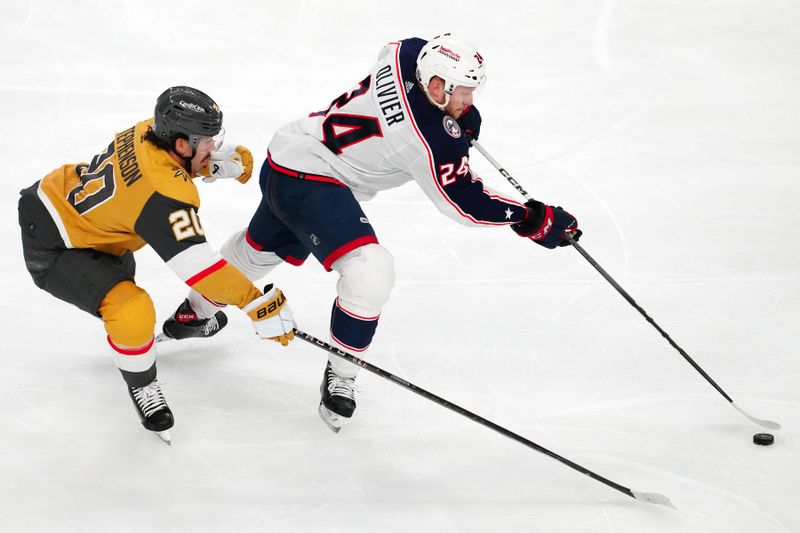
(385, 133)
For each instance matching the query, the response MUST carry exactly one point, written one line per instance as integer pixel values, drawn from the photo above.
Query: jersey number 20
(96, 182)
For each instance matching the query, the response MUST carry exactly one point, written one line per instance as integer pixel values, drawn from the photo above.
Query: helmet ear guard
(452, 60)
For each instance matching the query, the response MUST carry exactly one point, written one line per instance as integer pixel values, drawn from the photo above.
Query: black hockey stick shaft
(647, 317)
(765, 423)
(460, 410)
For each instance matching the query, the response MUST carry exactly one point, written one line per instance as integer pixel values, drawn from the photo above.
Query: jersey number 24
(340, 130)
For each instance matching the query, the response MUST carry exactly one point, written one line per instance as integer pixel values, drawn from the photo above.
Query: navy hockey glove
(545, 225)
(470, 121)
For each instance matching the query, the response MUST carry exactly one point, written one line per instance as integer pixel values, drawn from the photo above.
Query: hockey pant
(97, 283)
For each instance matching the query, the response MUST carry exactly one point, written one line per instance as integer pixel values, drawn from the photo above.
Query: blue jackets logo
(451, 126)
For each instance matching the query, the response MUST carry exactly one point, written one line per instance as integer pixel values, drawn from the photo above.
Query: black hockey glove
(470, 121)
(545, 225)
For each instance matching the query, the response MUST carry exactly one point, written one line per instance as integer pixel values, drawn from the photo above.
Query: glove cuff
(267, 305)
(537, 223)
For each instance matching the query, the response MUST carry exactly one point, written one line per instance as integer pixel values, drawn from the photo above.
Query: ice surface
(670, 128)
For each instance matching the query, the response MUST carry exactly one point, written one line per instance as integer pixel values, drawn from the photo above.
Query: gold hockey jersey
(132, 194)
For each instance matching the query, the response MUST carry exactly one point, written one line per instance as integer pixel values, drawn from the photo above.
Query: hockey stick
(500, 169)
(763, 423)
(649, 497)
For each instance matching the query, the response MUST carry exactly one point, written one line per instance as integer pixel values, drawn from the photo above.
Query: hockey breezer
(769, 424)
(649, 497)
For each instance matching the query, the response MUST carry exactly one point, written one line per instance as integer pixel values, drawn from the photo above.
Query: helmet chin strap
(434, 102)
(187, 161)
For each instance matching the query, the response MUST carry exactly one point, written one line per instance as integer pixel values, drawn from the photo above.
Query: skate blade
(165, 436)
(331, 419)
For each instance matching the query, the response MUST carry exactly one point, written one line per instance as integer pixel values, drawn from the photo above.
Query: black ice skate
(338, 399)
(185, 324)
(153, 410)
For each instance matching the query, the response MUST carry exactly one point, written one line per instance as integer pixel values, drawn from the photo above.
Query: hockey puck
(763, 439)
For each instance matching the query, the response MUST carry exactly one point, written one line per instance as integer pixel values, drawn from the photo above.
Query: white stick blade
(653, 497)
(769, 424)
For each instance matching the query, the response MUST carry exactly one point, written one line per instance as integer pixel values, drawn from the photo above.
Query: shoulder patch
(451, 126)
(181, 173)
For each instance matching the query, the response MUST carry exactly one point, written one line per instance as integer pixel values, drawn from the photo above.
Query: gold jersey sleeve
(131, 194)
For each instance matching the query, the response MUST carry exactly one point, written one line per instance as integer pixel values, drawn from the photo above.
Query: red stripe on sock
(350, 313)
(131, 351)
(352, 348)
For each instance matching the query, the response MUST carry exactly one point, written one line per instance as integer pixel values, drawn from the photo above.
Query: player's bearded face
(203, 153)
(460, 100)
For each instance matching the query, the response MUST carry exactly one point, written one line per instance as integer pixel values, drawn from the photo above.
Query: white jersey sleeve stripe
(62, 230)
(196, 262)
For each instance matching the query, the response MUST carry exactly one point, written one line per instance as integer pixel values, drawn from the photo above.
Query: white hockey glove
(271, 315)
(229, 162)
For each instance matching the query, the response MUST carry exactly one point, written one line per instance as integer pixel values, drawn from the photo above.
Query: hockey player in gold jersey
(82, 222)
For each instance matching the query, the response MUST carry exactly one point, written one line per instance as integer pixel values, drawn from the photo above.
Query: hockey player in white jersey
(408, 120)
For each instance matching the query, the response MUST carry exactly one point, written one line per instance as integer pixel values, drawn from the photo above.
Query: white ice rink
(670, 128)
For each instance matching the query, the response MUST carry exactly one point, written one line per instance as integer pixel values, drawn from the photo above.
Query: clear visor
(219, 138)
(213, 143)
(479, 91)
(468, 94)
(452, 85)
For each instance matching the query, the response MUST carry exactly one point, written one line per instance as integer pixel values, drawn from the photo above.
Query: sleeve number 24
(448, 172)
